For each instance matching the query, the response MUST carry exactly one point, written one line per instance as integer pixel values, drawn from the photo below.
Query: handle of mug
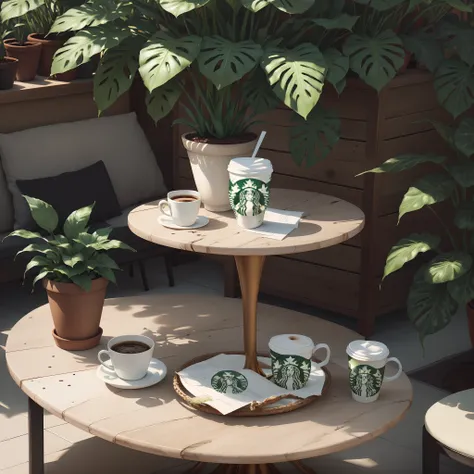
(106, 363)
(328, 354)
(165, 208)
(394, 377)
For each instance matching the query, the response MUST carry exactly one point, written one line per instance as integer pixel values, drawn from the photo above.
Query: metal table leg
(35, 437)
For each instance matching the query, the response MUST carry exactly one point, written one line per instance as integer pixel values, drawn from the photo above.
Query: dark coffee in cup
(184, 198)
(130, 347)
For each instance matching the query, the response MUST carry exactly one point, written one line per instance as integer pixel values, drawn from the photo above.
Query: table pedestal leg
(247, 468)
(250, 269)
(35, 437)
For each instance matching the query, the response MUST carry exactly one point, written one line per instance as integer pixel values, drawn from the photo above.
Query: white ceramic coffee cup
(367, 361)
(128, 366)
(183, 213)
(249, 189)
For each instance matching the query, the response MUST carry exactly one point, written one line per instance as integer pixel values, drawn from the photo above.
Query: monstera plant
(445, 281)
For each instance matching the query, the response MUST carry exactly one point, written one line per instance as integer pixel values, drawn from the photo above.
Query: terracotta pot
(76, 313)
(209, 162)
(8, 68)
(28, 55)
(49, 47)
(470, 320)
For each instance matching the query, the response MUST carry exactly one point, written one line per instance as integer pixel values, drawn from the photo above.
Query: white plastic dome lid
(249, 167)
(367, 350)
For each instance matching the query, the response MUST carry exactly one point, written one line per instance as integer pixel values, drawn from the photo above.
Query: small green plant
(75, 256)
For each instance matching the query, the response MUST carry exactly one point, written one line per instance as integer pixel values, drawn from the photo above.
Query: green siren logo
(229, 381)
(249, 197)
(365, 380)
(290, 372)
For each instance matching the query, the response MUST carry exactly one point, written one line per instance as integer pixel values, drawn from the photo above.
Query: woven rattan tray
(267, 407)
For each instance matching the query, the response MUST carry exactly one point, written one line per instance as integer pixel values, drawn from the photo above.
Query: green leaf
(425, 47)
(454, 84)
(313, 139)
(407, 249)
(25, 234)
(458, 36)
(224, 62)
(77, 221)
(85, 239)
(37, 261)
(70, 272)
(15, 8)
(463, 173)
(83, 281)
(107, 273)
(341, 22)
(337, 67)
(430, 307)
(92, 13)
(292, 6)
(72, 260)
(164, 57)
(255, 5)
(258, 93)
(117, 69)
(41, 248)
(462, 289)
(464, 137)
(381, 5)
(464, 216)
(87, 43)
(426, 191)
(40, 276)
(161, 101)
(103, 260)
(405, 162)
(446, 132)
(296, 75)
(43, 214)
(460, 5)
(101, 235)
(375, 59)
(447, 267)
(110, 245)
(178, 7)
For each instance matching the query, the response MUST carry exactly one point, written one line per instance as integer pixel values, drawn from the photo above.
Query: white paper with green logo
(224, 385)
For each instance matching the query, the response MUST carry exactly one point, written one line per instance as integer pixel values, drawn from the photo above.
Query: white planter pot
(209, 164)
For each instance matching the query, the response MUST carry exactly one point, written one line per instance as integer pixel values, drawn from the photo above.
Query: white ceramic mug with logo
(182, 206)
(291, 356)
(367, 361)
(128, 366)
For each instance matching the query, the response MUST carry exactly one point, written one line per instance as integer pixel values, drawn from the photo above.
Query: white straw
(259, 144)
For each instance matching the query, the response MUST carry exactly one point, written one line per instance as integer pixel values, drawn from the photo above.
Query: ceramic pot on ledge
(28, 55)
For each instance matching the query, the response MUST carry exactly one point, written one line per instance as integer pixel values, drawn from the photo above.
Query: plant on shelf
(445, 281)
(75, 270)
(8, 66)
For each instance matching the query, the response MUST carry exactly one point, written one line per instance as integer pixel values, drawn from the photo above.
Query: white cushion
(6, 205)
(46, 151)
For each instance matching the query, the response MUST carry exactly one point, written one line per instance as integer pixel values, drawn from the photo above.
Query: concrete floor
(72, 451)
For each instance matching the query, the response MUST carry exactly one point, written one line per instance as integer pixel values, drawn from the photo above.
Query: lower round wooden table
(154, 421)
(327, 221)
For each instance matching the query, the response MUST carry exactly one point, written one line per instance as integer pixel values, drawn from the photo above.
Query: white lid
(367, 350)
(290, 342)
(250, 166)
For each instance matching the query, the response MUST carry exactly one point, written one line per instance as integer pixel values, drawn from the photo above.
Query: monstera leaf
(428, 190)
(464, 217)
(178, 7)
(161, 101)
(341, 22)
(458, 36)
(430, 307)
(464, 137)
(408, 249)
(463, 173)
(462, 289)
(89, 14)
(405, 162)
(15, 8)
(224, 62)
(381, 5)
(313, 139)
(447, 267)
(116, 71)
(255, 5)
(454, 84)
(375, 59)
(337, 67)
(258, 93)
(87, 43)
(296, 75)
(164, 57)
(425, 47)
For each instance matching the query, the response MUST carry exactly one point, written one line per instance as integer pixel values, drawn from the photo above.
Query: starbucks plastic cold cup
(249, 189)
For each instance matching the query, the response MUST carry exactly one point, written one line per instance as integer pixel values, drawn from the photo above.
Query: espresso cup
(182, 207)
(291, 356)
(367, 361)
(124, 356)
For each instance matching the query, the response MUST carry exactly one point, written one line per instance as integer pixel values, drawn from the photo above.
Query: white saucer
(156, 373)
(167, 221)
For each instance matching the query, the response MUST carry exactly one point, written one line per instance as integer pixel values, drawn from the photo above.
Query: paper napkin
(278, 223)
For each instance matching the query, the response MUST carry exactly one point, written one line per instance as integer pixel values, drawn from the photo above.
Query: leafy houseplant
(445, 282)
(75, 270)
(8, 67)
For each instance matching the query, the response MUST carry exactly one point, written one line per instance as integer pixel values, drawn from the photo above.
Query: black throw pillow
(70, 191)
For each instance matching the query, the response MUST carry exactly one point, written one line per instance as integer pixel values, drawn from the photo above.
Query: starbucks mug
(291, 356)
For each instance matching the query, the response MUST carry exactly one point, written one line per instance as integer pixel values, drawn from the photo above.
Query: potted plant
(27, 52)
(75, 270)
(8, 67)
(445, 282)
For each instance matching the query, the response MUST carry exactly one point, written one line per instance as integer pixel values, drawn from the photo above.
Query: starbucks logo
(365, 380)
(290, 372)
(229, 381)
(249, 197)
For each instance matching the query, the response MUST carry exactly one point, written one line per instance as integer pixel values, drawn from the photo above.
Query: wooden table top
(328, 221)
(154, 421)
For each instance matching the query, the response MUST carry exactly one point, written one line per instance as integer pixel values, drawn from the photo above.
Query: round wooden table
(327, 221)
(154, 421)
